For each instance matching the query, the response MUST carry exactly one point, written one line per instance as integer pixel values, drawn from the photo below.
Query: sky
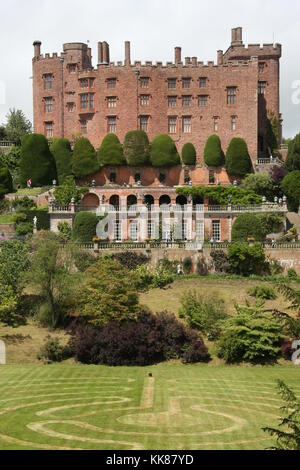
(154, 28)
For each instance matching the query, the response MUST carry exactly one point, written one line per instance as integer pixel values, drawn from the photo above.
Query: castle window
(70, 107)
(48, 80)
(83, 125)
(216, 230)
(231, 95)
(172, 83)
(144, 120)
(262, 88)
(261, 66)
(145, 100)
(202, 82)
(49, 129)
(84, 101)
(202, 100)
(112, 178)
(137, 177)
(84, 83)
(186, 83)
(91, 82)
(48, 104)
(233, 123)
(172, 101)
(186, 124)
(172, 125)
(72, 68)
(112, 124)
(111, 83)
(92, 100)
(144, 82)
(186, 101)
(112, 102)
(216, 124)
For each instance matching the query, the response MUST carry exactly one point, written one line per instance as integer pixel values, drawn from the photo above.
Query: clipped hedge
(247, 225)
(238, 161)
(6, 182)
(164, 152)
(218, 195)
(111, 151)
(37, 162)
(189, 154)
(84, 227)
(136, 148)
(84, 160)
(213, 154)
(43, 218)
(62, 153)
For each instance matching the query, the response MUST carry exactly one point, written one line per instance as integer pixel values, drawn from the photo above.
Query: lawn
(181, 407)
(6, 219)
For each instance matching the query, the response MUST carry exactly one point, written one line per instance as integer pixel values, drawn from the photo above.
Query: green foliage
(17, 126)
(262, 292)
(202, 268)
(260, 183)
(8, 304)
(288, 433)
(218, 195)
(272, 131)
(238, 161)
(4, 205)
(246, 225)
(246, 260)
(51, 351)
(23, 204)
(11, 159)
(251, 336)
(84, 227)
(292, 274)
(189, 154)
(157, 279)
(62, 153)
(292, 161)
(84, 160)
(14, 262)
(24, 228)
(187, 265)
(136, 148)
(111, 151)
(64, 231)
(203, 313)
(220, 260)
(37, 162)
(6, 182)
(164, 152)
(130, 259)
(108, 292)
(213, 154)
(271, 223)
(291, 187)
(64, 193)
(43, 218)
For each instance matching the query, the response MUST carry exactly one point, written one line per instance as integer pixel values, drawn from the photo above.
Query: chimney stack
(220, 57)
(127, 53)
(37, 48)
(194, 61)
(187, 61)
(237, 36)
(106, 58)
(100, 52)
(89, 54)
(177, 55)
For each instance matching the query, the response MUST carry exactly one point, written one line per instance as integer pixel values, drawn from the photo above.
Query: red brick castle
(187, 99)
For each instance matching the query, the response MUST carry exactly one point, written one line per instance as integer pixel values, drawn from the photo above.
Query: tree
(164, 152)
(11, 159)
(2, 133)
(251, 335)
(6, 182)
(189, 154)
(84, 160)
(291, 187)
(17, 126)
(37, 162)
(288, 433)
(67, 191)
(8, 304)
(84, 227)
(213, 154)
(292, 162)
(247, 225)
(136, 148)
(246, 260)
(111, 151)
(62, 153)
(260, 183)
(238, 161)
(14, 262)
(50, 278)
(108, 293)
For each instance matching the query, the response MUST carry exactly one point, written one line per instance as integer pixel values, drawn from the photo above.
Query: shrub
(292, 162)
(14, 262)
(260, 183)
(64, 231)
(291, 187)
(262, 292)
(24, 228)
(164, 152)
(245, 260)
(84, 160)
(84, 227)
(62, 153)
(238, 161)
(187, 265)
(4, 205)
(220, 260)
(189, 154)
(250, 336)
(158, 279)
(247, 225)
(292, 274)
(278, 173)
(67, 191)
(148, 340)
(51, 351)
(8, 304)
(136, 148)
(111, 151)
(6, 182)
(203, 313)
(218, 195)
(37, 162)
(130, 260)
(23, 204)
(213, 155)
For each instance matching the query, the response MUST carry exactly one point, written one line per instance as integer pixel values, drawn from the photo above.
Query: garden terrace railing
(268, 207)
(4, 143)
